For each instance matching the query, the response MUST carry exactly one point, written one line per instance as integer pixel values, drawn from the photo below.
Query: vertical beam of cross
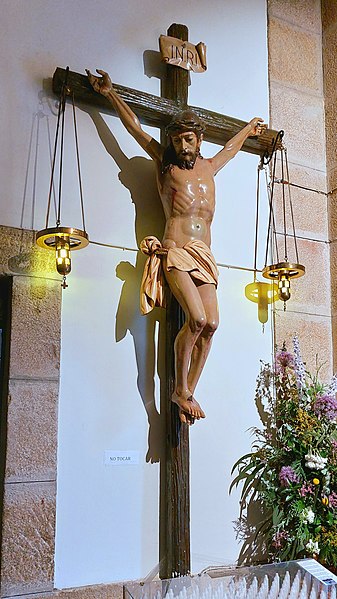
(175, 473)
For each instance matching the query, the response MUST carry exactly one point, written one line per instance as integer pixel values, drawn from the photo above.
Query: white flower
(307, 515)
(332, 390)
(310, 465)
(312, 546)
(315, 461)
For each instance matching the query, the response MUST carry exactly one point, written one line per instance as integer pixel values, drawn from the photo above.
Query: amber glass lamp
(63, 240)
(260, 292)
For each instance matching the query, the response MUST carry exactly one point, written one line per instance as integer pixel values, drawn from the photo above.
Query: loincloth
(195, 258)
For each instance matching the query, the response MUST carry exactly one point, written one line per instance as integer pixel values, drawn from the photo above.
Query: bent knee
(210, 327)
(197, 324)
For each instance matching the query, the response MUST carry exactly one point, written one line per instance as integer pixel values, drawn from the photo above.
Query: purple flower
(326, 407)
(287, 475)
(299, 366)
(283, 360)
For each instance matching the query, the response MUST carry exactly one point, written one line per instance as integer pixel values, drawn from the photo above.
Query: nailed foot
(189, 409)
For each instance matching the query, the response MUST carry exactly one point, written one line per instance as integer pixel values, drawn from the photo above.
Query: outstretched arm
(103, 86)
(232, 147)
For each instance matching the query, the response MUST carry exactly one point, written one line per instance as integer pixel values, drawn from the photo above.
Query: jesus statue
(187, 190)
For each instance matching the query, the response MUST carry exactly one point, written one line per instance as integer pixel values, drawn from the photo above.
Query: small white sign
(114, 457)
(318, 571)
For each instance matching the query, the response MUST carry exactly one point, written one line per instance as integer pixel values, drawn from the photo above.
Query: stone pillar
(27, 553)
(329, 22)
(297, 106)
(28, 517)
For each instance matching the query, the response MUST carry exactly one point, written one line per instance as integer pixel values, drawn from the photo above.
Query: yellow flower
(325, 501)
(315, 481)
(306, 425)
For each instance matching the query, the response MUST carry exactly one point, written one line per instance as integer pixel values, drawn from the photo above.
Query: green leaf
(243, 459)
(246, 473)
(277, 516)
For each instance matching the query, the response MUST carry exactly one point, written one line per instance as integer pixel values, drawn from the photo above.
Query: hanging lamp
(281, 270)
(260, 292)
(62, 240)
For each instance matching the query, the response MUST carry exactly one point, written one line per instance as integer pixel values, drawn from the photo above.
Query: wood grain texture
(157, 112)
(176, 479)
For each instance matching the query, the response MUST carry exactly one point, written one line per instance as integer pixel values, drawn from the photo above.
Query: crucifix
(154, 111)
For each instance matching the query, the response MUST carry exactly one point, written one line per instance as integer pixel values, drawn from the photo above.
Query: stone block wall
(29, 507)
(297, 106)
(303, 103)
(329, 25)
(30, 475)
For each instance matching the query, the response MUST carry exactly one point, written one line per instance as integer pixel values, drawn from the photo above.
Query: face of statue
(186, 146)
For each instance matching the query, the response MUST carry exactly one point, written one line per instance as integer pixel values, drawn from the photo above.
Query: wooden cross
(174, 543)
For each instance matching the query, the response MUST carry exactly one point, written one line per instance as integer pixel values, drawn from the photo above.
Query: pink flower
(306, 489)
(279, 538)
(333, 499)
(283, 360)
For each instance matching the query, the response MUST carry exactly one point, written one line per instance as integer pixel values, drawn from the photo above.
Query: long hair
(182, 122)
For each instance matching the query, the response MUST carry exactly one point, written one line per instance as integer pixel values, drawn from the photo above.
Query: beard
(170, 159)
(187, 161)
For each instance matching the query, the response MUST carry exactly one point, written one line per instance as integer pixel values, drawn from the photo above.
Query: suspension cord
(78, 160)
(291, 204)
(284, 209)
(54, 155)
(260, 166)
(63, 102)
(271, 222)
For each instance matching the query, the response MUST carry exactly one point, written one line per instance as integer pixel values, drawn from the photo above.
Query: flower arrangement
(290, 477)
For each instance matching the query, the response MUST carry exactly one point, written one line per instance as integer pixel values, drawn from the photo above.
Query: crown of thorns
(185, 121)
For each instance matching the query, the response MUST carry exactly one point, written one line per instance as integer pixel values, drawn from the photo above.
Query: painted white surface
(107, 518)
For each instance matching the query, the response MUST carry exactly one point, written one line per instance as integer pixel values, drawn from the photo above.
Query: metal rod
(127, 249)
(78, 160)
(257, 216)
(291, 207)
(58, 219)
(284, 210)
(271, 220)
(54, 158)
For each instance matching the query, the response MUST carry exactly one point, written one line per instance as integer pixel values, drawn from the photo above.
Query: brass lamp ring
(47, 238)
(289, 269)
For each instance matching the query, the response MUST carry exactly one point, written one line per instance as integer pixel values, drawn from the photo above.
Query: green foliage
(291, 472)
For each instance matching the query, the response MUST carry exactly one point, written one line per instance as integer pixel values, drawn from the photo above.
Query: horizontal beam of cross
(157, 112)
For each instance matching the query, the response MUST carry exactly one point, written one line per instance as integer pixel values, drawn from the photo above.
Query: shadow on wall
(138, 175)
(251, 523)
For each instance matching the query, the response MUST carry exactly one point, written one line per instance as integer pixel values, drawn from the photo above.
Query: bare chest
(188, 192)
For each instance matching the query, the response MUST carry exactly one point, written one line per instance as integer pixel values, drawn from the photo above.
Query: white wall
(107, 516)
